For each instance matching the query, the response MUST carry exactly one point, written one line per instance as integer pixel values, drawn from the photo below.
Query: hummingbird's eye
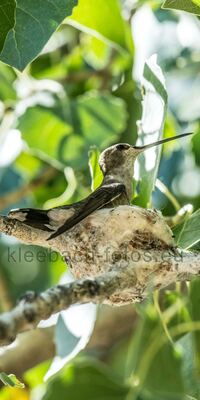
(122, 147)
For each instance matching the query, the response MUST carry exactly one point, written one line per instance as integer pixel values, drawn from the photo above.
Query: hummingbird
(117, 165)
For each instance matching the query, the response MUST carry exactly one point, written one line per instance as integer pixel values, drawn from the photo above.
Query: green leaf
(99, 118)
(43, 132)
(7, 77)
(196, 146)
(7, 19)
(188, 234)
(28, 165)
(102, 19)
(90, 380)
(94, 120)
(35, 23)
(11, 380)
(195, 313)
(172, 299)
(189, 370)
(154, 367)
(96, 52)
(35, 376)
(151, 127)
(184, 5)
(95, 170)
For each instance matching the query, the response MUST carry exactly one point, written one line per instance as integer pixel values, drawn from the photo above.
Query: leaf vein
(54, 5)
(3, 11)
(33, 17)
(26, 38)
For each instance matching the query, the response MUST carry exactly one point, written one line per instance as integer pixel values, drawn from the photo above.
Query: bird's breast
(119, 201)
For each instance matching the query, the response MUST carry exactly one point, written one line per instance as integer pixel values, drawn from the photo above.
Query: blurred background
(82, 94)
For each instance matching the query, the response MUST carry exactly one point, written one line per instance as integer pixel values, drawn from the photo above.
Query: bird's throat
(124, 177)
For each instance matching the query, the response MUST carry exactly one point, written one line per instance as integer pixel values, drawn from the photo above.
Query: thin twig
(80, 76)
(15, 196)
(33, 307)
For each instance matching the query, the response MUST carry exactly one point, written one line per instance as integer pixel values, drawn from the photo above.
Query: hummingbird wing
(98, 199)
(45, 220)
(60, 219)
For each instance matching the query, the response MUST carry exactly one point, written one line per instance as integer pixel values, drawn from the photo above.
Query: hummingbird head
(121, 157)
(116, 157)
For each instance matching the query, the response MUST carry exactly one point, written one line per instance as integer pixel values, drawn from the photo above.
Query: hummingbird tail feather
(35, 218)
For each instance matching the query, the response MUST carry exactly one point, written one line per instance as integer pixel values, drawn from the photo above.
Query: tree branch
(24, 233)
(34, 347)
(33, 308)
(116, 254)
(29, 350)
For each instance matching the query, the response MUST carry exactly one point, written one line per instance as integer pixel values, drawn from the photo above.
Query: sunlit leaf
(27, 164)
(191, 6)
(95, 171)
(35, 376)
(102, 19)
(196, 146)
(151, 127)
(35, 22)
(66, 195)
(11, 380)
(91, 380)
(188, 234)
(95, 120)
(7, 77)
(96, 52)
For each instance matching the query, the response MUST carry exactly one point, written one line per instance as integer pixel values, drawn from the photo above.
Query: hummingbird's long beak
(148, 146)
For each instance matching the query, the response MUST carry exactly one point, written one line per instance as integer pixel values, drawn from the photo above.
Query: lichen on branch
(115, 255)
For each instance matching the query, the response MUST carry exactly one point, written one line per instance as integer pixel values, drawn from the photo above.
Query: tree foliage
(76, 77)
